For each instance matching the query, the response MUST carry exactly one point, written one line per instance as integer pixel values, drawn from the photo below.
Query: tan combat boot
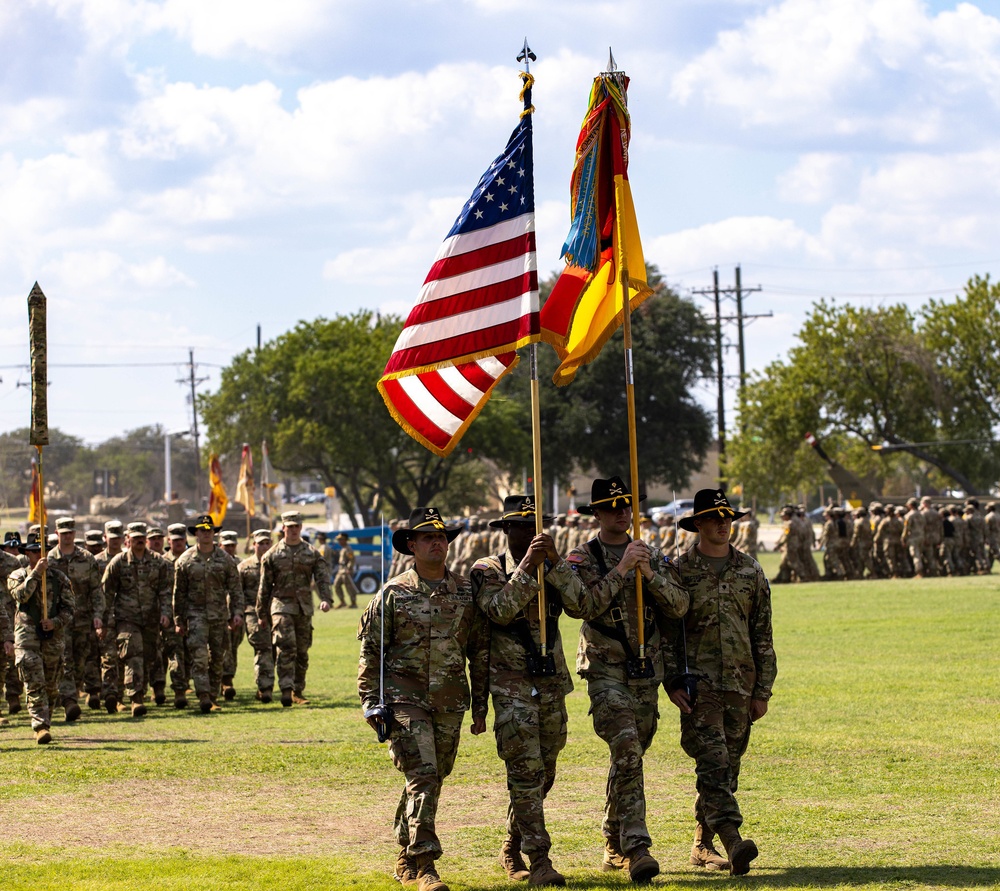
(72, 709)
(703, 852)
(740, 850)
(138, 707)
(427, 875)
(613, 856)
(42, 736)
(641, 865)
(543, 872)
(405, 871)
(511, 860)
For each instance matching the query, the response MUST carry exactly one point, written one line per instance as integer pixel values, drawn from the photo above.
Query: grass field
(878, 766)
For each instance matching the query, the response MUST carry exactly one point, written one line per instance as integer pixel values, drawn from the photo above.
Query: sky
(175, 174)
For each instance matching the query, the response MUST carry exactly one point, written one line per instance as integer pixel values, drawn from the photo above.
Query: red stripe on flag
(480, 379)
(470, 343)
(413, 416)
(446, 395)
(447, 267)
(433, 309)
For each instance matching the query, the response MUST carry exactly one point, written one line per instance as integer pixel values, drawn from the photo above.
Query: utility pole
(720, 371)
(194, 381)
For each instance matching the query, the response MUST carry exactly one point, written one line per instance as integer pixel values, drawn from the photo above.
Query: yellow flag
(218, 501)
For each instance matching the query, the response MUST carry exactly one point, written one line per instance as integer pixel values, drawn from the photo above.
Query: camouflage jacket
(889, 530)
(8, 563)
(138, 589)
(608, 605)
(286, 576)
(346, 560)
(861, 536)
(206, 584)
(913, 528)
(103, 558)
(25, 587)
(249, 573)
(88, 592)
(728, 626)
(509, 600)
(430, 634)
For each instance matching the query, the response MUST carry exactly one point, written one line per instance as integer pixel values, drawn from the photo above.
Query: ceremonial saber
(39, 435)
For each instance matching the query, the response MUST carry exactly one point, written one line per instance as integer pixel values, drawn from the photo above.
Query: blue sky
(175, 173)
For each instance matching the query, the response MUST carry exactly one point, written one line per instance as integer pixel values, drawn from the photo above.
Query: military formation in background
(111, 618)
(917, 540)
(438, 643)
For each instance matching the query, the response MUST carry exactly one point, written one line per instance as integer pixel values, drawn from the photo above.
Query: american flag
(478, 304)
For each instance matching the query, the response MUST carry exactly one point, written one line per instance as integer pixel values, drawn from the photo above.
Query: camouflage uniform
(624, 709)
(10, 685)
(913, 538)
(82, 649)
(173, 650)
(978, 560)
(948, 563)
(285, 594)
(529, 712)
(933, 533)
(861, 544)
(962, 552)
(343, 581)
(790, 568)
(110, 673)
(138, 595)
(40, 662)
(889, 535)
(430, 633)
(730, 649)
(258, 635)
(207, 595)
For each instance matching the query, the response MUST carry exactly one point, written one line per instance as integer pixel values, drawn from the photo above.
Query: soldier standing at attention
(207, 597)
(137, 586)
(81, 646)
(257, 634)
(94, 542)
(9, 682)
(344, 580)
(529, 693)
(622, 689)
(430, 626)
(913, 536)
(727, 636)
(285, 604)
(38, 642)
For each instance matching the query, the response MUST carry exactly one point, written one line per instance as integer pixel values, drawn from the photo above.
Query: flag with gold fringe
(36, 510)
(585, 307)
(218, 501)
(245, 484)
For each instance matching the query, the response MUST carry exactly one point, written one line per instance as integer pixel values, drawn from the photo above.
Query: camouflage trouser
(344, 583)
(790, 569)
(8, 676)
(915, 547)
(625, 718)
(716, 734)
(810, 571)
(110, 675)
(174, 656)
(138, 650)
(229, 663)
(530, 735)
(40, 672)
(930, 558)
(863, 561)
(423, 748)
(81, 662)
(292, 636)
(948, 563)
(263, 651)
(895, 556)
(206, 642)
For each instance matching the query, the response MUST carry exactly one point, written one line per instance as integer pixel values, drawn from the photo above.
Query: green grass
(878, 766)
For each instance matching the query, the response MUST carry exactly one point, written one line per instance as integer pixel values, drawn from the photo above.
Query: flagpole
(39, 437)
(633, 454)
(527, 56)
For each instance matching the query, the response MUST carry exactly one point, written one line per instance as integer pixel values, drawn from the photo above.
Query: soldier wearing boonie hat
(285, 603)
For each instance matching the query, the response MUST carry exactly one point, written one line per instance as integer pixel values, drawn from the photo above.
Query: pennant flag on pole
(244, 485)
(585, 306)
(479, 303)
(217, 499)
(269, 479)
(36, 509)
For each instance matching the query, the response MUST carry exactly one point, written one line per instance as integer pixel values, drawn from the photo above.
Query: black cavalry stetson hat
(608, 494)
(202, 521)
(709, 503)
(518, 509)
(422, 519)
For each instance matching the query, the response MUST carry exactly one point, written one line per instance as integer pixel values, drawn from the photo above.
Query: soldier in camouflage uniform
(38, 642)
(258, 635)
(207, 598)
(229, 541)
(8, 672)
(790, 569)
(913, 536)
(933, 534)
(622, 688)
(978, 561)
(888, 536)
(173, 647)
(137, 587)
(343, 581)
(861, 543)
(529, 704)
(285, 604)
(727, 638)
(114, 533)
(992, 522)
(431, 627)
(81, 641)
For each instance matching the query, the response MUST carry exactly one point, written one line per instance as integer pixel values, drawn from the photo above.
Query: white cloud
(815, 179)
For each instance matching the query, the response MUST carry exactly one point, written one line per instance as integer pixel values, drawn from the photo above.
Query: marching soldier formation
(431, 624)
(915, 540)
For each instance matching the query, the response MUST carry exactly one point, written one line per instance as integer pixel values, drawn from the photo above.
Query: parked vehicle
(372, 547)
(678, 507)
